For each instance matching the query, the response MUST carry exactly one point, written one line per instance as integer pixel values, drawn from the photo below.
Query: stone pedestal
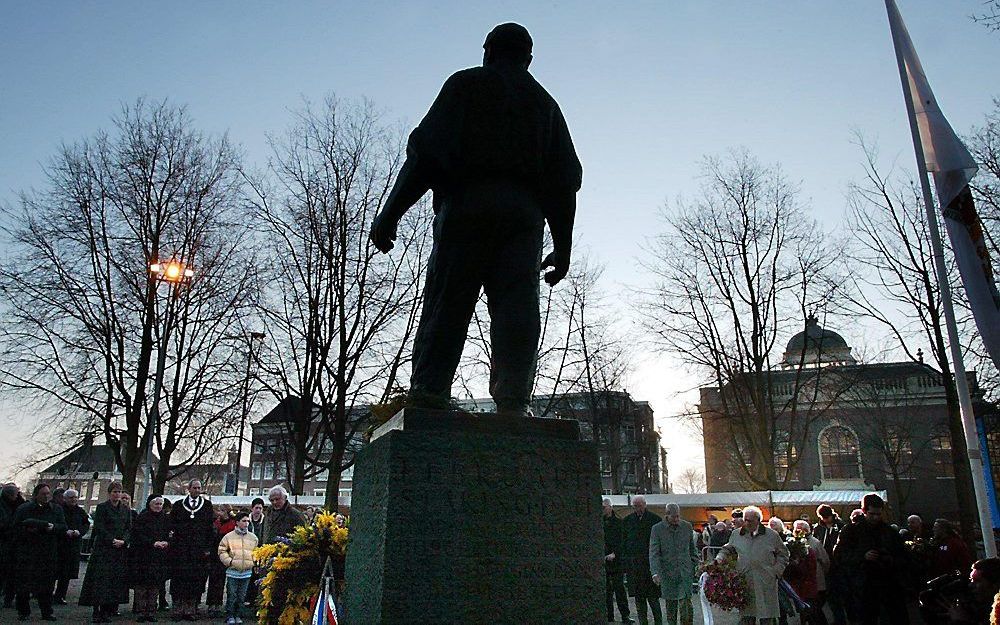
(465, 519)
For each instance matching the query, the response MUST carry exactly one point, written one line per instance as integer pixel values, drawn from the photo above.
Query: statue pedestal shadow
(475, 518)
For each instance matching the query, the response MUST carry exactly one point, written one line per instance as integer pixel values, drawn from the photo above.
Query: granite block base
(467, 519)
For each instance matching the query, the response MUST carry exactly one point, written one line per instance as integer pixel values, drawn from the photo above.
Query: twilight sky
(647, 87)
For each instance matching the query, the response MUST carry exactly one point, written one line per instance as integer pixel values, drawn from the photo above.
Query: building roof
(87, 458)
(288, 410)
(817, 345)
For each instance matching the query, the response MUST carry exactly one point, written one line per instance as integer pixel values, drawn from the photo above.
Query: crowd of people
(190, 551)
(862, 571)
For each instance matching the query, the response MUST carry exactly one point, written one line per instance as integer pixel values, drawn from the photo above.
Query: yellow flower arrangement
(291, 570)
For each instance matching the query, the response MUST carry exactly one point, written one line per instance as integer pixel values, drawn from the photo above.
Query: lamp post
(175, 273)
(235, 475)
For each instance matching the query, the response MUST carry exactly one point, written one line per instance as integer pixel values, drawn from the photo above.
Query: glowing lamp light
(172, 271)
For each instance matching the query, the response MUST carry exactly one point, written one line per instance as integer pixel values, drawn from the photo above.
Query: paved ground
(73, 613)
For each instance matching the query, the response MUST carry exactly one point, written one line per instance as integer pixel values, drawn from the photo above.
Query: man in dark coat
(497, 153)
(10, 501)
(191, 549)
(105, 585)
(827, 531)
(637, 527)
(281, 518)
(873, 559)
(37, 525)
(613, 557)
(77, 524)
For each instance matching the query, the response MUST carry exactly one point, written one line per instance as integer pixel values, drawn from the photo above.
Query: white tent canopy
(751, 498)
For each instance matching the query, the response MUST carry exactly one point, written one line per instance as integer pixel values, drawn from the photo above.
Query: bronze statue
(495, 150)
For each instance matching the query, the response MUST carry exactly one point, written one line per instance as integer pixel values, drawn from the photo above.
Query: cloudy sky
(648, 88)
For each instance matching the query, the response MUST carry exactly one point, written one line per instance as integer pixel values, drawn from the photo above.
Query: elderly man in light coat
(673, 557)
(761, 556)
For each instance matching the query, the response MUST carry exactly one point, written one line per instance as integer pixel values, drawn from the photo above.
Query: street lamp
(176, 273)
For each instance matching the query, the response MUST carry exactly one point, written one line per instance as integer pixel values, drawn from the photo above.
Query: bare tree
(900, 292)
(339, 315)
(83, 319)
(737, 268)
(691, 480)
(990, 16)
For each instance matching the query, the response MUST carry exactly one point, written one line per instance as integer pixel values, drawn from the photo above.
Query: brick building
(854, 427)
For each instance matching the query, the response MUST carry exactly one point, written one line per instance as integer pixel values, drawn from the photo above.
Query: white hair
(753, 510)
(606, 501)
(673, 508)
(908, 519)
(279, 489)
(774, 523)
(803, 525)
(71, 492)
(636, 498)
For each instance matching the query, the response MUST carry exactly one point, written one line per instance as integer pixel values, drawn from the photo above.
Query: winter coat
(106, 580)
(762, 557)
(36, 561)
(856, 540)
(236, 550)
(822, 562)
(802, 574)
(950, 555)
(7, 510)
(636, 547)
(192, 547)
(281, 522)
(149, 565)
(613, 537)
(673, 556)
(828, 535)
(69, 548)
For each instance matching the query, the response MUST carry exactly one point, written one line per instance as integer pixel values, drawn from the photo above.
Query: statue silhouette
(496, 152)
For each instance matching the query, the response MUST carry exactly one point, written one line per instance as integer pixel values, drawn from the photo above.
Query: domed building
(832, 423)
(816, 347)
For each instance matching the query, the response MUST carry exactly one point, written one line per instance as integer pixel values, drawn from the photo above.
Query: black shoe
(49, 617)
(101, 618)
(24, 617)
(58, 601)
(150, 619)
(140, 619)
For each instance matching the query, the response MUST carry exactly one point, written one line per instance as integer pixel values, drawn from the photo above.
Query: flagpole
(958, 362)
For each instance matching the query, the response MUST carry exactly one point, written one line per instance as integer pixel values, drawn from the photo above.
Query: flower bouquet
(798, 546)
(725, 587)
(290, 570)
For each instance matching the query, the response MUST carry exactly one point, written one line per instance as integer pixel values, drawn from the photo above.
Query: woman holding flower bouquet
(761, 556)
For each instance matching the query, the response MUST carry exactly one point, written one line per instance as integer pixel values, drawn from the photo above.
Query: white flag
(953, 168)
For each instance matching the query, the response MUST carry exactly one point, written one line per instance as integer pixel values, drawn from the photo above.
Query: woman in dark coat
(10, 501)
(77, 524)
(37, 526)
(147, 555)
(105, 585)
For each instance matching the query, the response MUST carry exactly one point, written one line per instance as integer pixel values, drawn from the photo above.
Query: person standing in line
(236, 554)
(148, 564)
(827, 531)
(874, 558)
(672, 561)
(637, 527)
(10, 501)
(38, 524)
(950, 552)
(281, 518)
(223, 524)
(613, 574)
(256, 527)
(105, 585)
(70, 544)
(806, 574)
(761, 556)
(192, 544)
(163, 606)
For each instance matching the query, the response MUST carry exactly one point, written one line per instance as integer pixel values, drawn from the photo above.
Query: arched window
(838, 452)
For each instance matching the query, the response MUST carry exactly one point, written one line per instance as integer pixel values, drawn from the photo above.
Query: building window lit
(941, 450)
(838, 451)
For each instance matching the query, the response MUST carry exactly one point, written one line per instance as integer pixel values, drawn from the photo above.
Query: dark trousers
(487, 236)
(881, 604)
(216, 585)
(144, 600)
(654, 607)
(815, 614)
(614, 588)
(62, 586)
(23, 600)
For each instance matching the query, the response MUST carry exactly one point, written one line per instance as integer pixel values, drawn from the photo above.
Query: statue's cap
(509, 35)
